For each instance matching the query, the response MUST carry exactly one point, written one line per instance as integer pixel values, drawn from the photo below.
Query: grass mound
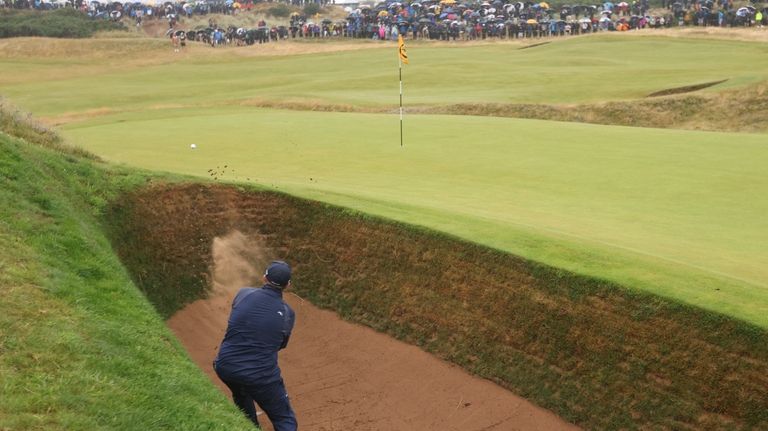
(80, 347)
(595, 353)
(65, 22)
(738, 110)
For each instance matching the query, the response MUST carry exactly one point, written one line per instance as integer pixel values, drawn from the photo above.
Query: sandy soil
(343, 376)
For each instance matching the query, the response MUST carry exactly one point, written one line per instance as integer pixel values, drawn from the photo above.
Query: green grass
(80, 347)
(568, 71)
(677, 213)
(66, 22)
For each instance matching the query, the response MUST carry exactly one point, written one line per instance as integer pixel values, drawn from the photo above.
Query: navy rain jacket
(260, 324)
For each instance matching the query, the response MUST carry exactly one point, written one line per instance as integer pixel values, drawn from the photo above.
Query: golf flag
(401, 49)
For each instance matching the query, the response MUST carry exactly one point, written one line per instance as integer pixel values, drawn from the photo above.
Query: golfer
(259, 325)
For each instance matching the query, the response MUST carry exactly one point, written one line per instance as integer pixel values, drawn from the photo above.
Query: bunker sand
(343, 376)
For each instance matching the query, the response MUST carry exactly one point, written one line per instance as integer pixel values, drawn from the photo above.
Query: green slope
(676, 213)
(80, 347)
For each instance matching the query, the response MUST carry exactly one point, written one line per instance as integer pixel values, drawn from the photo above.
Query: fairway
(590, 69)
(677, 213)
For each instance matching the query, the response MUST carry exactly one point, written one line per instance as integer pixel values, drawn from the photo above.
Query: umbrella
(531, 21)
(623, 4)
(605, 19)
(383, 13)
(425, 20)
(585, 20)
(447, 1)
(327, 21)
(544, 5)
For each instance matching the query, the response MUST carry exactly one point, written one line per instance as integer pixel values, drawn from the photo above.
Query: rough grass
(16, 123)
(737, 110)
(599, 355)
(80, 347)
(67, 22)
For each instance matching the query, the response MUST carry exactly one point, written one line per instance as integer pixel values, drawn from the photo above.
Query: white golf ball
(193, 146)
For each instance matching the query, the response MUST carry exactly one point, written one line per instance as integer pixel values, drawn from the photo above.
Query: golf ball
(193, 146)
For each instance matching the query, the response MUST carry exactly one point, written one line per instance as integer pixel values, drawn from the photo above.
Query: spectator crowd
(429, 19)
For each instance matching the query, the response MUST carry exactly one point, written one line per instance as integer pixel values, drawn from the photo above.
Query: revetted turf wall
(599, 355)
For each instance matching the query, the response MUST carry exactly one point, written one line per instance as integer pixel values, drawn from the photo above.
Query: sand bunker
(343, 376)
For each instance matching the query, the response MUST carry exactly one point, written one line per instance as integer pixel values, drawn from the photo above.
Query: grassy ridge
(80, 347)
(739, 110)
(595, 353)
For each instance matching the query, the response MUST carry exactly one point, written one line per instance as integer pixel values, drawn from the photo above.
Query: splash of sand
(238, 261)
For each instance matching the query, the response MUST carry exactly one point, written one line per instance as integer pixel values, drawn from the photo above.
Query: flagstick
(400, 64)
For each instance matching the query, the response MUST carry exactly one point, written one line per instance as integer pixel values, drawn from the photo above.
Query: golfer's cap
(278, 272)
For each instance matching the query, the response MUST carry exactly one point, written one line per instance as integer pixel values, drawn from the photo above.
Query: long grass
(80, 347)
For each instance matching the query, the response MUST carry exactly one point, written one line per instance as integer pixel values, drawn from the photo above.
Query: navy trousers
(272, 398)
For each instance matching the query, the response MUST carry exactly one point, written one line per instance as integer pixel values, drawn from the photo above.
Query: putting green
(676, 213)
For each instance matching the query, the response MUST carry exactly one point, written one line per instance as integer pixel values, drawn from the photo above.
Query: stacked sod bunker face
(594, 352)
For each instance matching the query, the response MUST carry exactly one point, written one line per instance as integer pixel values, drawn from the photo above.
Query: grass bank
(80, 347)
(734, 110)
(596, 353)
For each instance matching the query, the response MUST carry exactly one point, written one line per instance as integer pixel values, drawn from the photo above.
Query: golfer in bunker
(259, 326)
